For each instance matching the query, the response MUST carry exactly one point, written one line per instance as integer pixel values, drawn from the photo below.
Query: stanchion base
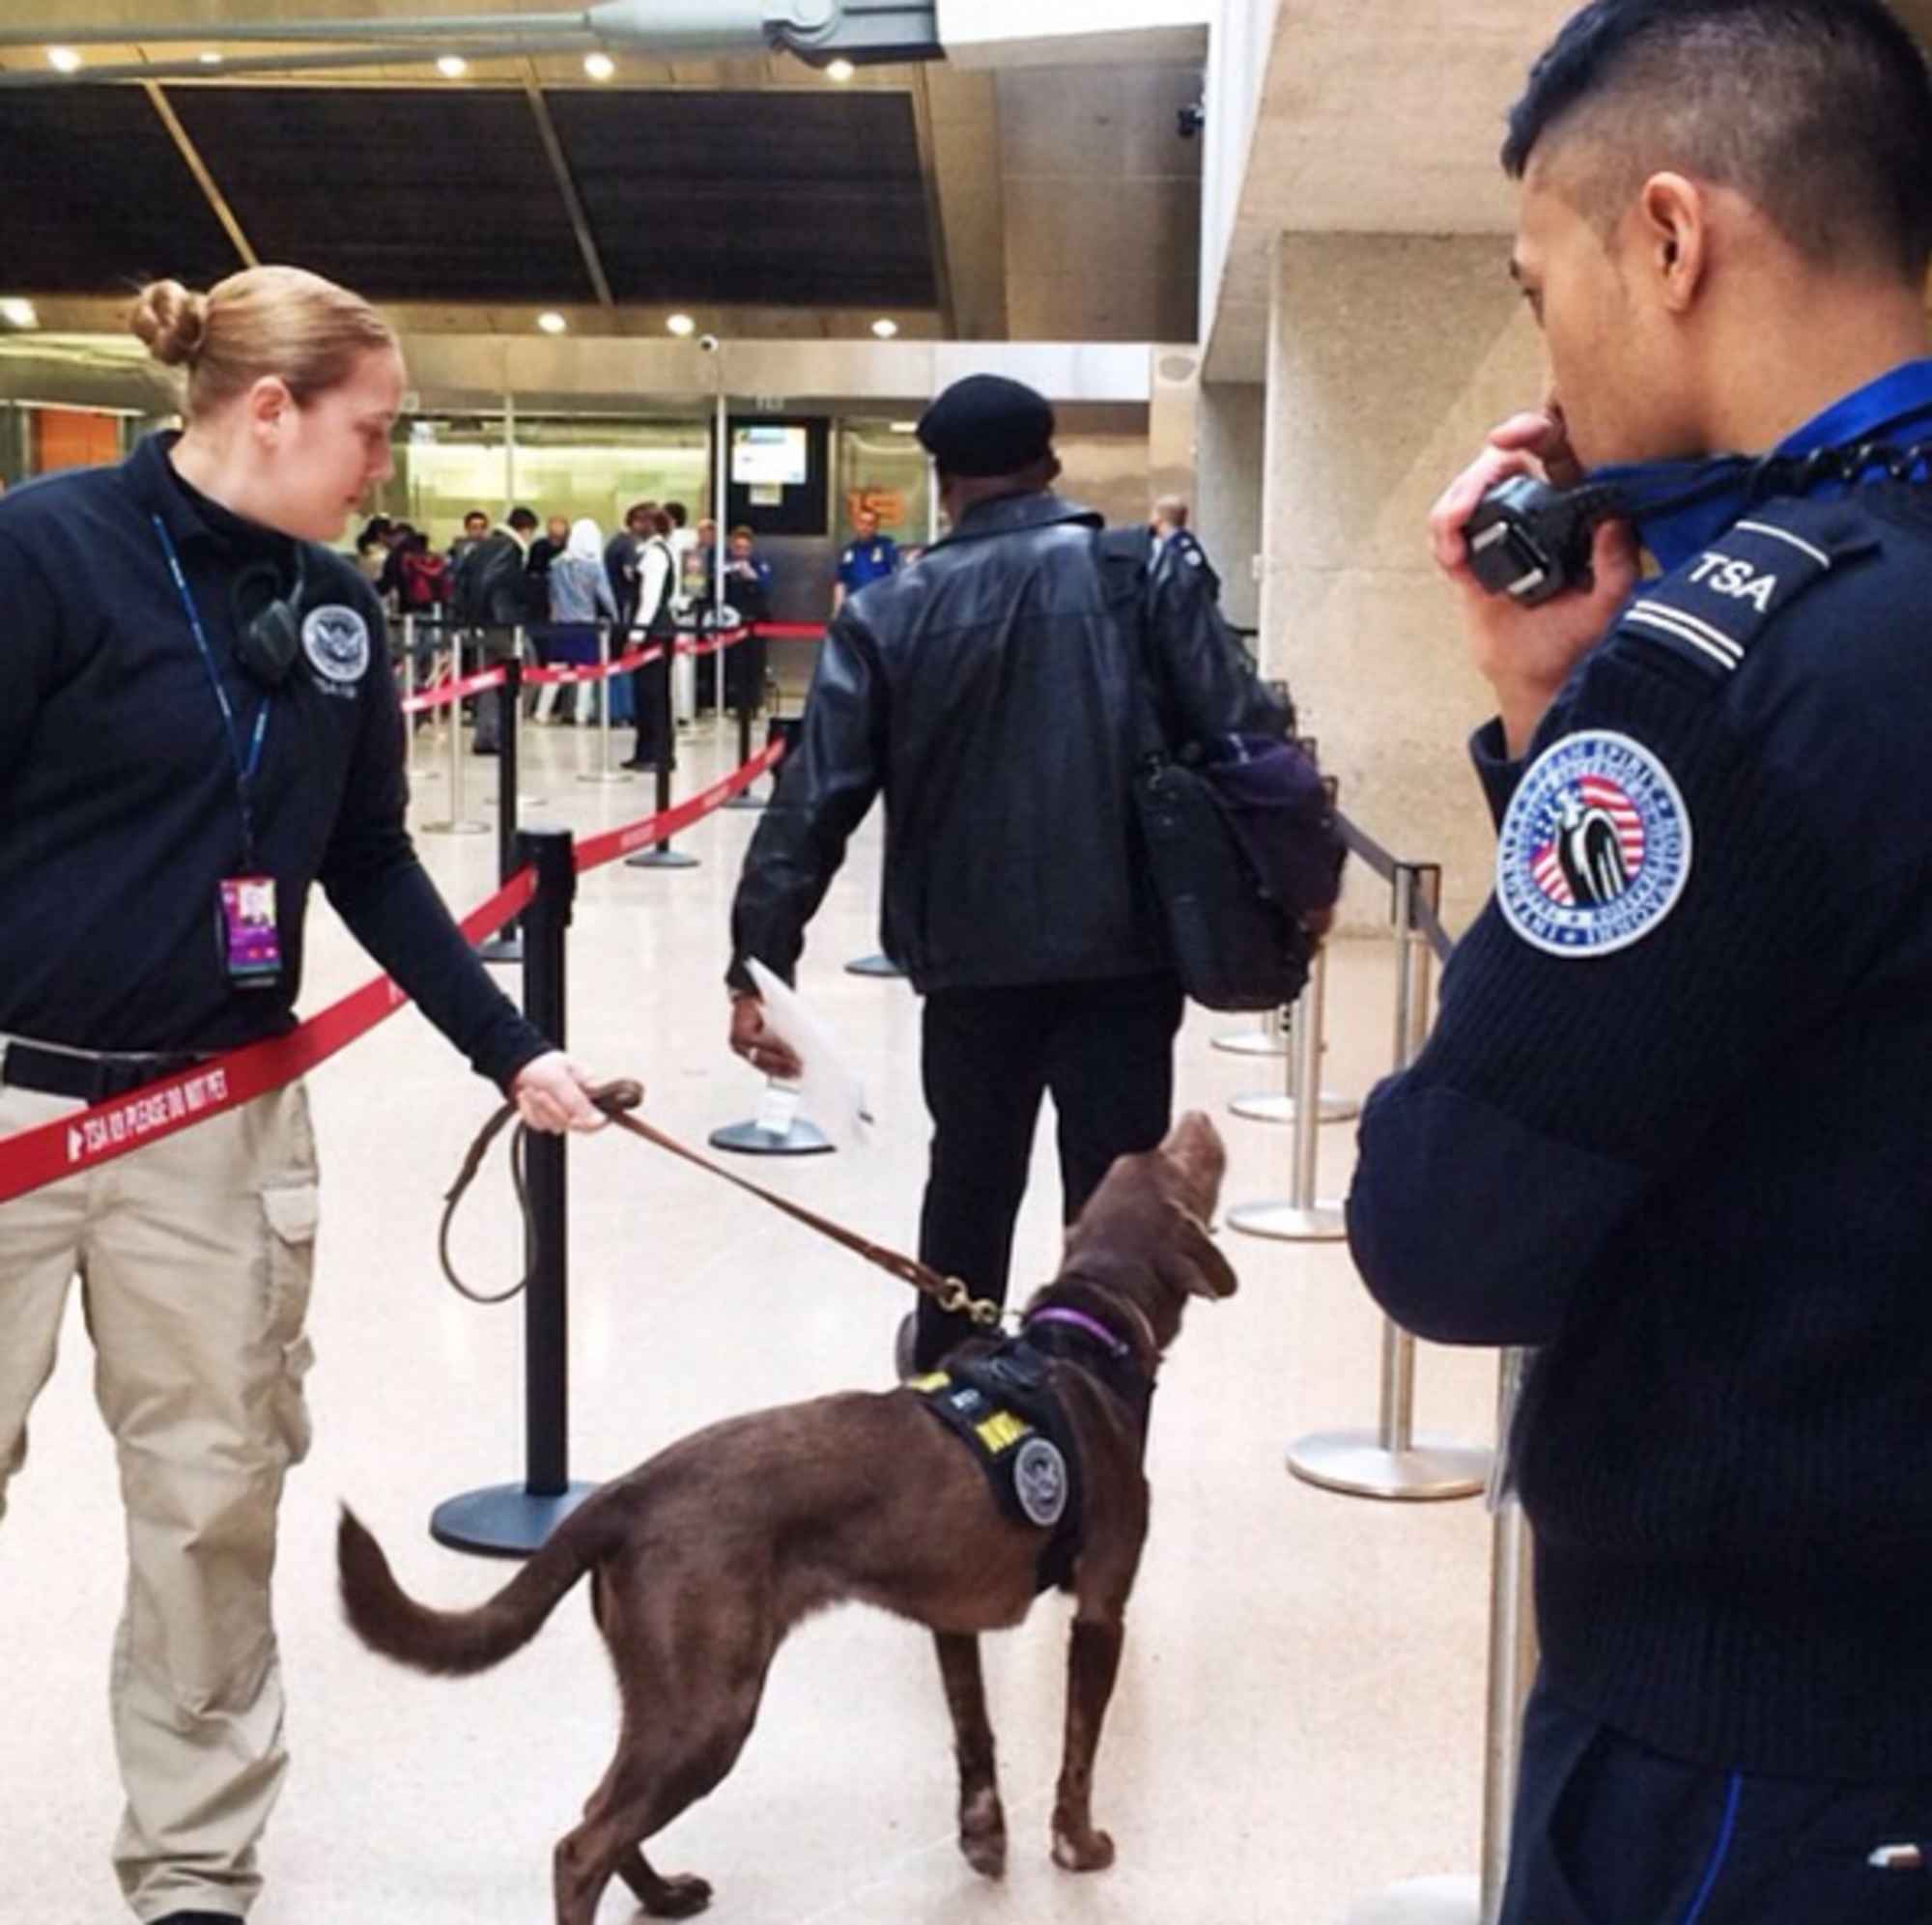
(1439, 1901)
(1358, 1463)
(1279, 1109)
(506, 1521)
(1321, 1222)
(873, 966)
(501, 950)
(800, 1139)
(660, 859)
(1253, 1042)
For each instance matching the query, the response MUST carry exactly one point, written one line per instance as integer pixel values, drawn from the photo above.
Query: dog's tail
(452, 1643)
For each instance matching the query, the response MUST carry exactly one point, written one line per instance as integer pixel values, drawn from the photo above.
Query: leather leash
(619, 1100)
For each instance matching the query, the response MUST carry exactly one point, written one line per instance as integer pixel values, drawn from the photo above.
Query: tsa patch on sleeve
(1595, 847)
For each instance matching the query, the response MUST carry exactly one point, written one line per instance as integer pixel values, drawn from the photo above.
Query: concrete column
(1230, 450)
(1388, 358)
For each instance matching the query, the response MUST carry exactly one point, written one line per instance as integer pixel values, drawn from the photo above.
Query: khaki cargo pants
(194, 1256)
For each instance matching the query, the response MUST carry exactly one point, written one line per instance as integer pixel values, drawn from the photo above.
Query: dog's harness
(1004, 1404)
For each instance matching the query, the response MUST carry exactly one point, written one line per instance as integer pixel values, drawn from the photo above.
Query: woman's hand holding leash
(553, 1094)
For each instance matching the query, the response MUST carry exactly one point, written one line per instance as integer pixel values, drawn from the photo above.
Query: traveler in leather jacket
(988, 691)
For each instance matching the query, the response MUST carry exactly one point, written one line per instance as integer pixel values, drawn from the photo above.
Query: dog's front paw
(982, 1834)
(1083, 1851)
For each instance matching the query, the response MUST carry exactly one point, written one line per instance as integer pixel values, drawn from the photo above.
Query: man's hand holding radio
(1526, 647)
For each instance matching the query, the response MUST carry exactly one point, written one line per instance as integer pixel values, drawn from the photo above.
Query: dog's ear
(1204, 1271)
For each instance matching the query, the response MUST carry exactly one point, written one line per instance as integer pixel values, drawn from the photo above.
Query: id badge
(251, 943)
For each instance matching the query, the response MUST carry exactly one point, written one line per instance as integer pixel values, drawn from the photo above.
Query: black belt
(86, 1076)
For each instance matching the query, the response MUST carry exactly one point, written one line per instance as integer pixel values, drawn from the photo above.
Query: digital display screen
(770, 455)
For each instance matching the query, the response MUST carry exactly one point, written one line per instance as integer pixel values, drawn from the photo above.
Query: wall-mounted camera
(1188, 121)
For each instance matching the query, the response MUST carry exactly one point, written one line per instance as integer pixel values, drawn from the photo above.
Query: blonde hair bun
(171, 321)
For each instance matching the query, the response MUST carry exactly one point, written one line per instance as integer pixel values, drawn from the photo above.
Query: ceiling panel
(786, 199)
(404, 194)
(95, 197)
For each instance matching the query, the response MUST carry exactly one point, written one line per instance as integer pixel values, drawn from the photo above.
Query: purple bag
(1278, 805)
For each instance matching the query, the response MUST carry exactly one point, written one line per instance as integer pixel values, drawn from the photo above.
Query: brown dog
(703, 1559)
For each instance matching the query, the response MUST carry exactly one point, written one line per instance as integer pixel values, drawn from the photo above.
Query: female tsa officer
(197, 722)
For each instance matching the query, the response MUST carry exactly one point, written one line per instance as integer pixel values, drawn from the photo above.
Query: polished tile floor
(1299, 1728)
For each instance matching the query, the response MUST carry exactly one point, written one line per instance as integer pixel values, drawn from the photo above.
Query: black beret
(987, 425)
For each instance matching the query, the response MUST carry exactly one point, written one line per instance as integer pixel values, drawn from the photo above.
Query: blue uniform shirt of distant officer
(869, 557)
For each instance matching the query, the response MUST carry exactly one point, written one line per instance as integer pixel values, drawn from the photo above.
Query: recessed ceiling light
(553, 323)
(599, 65)
(211, 59)
(840, 71)
(64, 59)
(452, 66)
(680, 324)
(19, 313)
(885, 327)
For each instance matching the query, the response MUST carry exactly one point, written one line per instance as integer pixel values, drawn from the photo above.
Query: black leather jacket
(988, 690)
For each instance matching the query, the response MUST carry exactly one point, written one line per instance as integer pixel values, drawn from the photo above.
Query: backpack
(424, 581)
(1244, 855)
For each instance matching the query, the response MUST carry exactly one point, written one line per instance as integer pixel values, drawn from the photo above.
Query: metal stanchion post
(661, 855)
(1278, 1106)
(745, 799)
(511, 1520)
(1269, 1039)
(599, 692)
(1513, 1655)
(1392, 1461)
(456, 823)
(1302, 1218)
(777, 1130)
(410, 719)
(1512, 1664)
(506, 946)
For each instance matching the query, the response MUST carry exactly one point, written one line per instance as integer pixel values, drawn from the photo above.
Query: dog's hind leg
(983, 1822)
(682, 1896)
(637, 1799)
(1093, 1662)
(679, 1743)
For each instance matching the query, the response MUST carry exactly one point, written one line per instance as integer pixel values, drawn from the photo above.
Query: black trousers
(745, 665)
(651, 707)
(1608, 1833)
(1103, 1051)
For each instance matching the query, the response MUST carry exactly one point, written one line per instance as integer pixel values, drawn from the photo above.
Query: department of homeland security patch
(1595, 847)
(337, 641)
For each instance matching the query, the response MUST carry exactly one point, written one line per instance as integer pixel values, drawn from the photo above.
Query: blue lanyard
(244, 765)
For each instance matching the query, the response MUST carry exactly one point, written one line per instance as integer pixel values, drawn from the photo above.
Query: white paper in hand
(829, 1092)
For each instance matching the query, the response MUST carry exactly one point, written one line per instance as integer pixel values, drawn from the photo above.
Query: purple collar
(1080, 1320)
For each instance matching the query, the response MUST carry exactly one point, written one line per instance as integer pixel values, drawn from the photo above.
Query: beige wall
(1388, 356)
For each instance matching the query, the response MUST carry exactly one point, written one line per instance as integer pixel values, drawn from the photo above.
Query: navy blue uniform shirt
(1674, 1127)
(120, 811)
